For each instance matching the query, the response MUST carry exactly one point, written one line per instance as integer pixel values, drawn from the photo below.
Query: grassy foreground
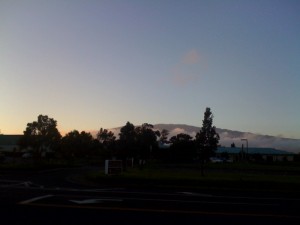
(242, 176)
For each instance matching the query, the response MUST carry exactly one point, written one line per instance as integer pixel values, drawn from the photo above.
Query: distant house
(9, 143)
(256, 154)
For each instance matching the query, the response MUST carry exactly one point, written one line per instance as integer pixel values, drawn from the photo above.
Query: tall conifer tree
(207, 139)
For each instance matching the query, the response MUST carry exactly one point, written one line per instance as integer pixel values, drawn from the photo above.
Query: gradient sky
(92, 64)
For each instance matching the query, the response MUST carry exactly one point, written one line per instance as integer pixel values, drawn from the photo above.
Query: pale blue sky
(92, 64)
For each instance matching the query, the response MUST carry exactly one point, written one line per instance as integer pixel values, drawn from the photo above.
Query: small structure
(113, 167)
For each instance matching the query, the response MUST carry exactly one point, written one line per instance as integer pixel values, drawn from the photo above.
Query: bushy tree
(180, 138)
(41, 135)
(77, 144)
(106, 138)
(107, 142)
(127, 141)
(182, 148)
(137, 142)
(147, 140)
(164, 136)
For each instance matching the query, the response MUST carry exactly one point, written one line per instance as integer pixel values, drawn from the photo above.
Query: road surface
(51, 197)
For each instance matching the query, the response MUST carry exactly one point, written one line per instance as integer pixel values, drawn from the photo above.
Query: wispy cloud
(191, 57)
(180, 77)
(188, 69)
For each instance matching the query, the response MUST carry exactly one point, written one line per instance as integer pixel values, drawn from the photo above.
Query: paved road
(30, 198)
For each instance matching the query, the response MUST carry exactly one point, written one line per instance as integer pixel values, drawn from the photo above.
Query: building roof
(264, 151)
(9, 139)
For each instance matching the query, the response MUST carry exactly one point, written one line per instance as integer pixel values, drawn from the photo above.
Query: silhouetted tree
(107, 141)
(182, 137)
(106, 137)
(207, 139)
(41, 135)
(77, 145)
(164, 136)
(147, 140)
(127, 141)
(182, 148)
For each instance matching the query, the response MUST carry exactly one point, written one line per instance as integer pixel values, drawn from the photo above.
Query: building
(255, 154)
(9, 143)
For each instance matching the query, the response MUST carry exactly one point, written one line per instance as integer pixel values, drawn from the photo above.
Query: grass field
(246, 176)
(284, 176)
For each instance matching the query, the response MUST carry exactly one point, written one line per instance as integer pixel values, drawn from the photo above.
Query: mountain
(227, 137)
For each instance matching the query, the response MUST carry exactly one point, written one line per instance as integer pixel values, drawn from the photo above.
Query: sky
(95, 63)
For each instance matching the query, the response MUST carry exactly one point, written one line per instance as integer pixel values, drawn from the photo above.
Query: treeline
(43, 139)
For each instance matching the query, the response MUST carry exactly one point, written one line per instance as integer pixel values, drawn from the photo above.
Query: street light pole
(245, 139)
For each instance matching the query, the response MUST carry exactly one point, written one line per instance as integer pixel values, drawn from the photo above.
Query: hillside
(227, 137)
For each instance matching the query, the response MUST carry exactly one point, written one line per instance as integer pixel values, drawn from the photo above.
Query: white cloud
(176, 131)
(181, 79)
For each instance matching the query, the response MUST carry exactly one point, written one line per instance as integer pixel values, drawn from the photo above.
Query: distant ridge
(227, 137)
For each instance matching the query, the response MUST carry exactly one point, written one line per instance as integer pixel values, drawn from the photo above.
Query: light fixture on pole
(245, 139)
